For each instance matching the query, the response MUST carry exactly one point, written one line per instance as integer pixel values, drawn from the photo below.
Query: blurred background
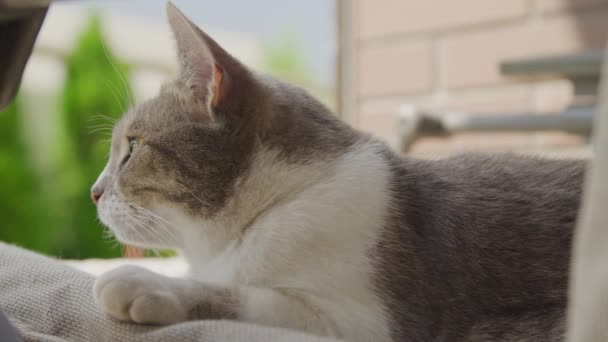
(93, 60)
(446, 56)
(365, 59)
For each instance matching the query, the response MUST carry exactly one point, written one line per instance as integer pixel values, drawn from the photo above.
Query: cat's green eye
(132, 145)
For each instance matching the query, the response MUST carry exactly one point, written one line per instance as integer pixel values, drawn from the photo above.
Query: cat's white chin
(134, 225)
(135, 239)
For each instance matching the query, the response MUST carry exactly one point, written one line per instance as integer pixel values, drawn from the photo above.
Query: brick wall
(445, 55)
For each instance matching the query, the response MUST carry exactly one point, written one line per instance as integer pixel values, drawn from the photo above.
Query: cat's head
(182, 156)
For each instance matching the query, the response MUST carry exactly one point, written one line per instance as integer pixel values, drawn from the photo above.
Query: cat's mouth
(135, 225)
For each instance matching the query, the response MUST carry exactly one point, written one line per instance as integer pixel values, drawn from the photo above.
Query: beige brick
(397, 69)
(552, 96)
(511, 99)
(552, 140)
(499, 100)
(385, 17)
(473, 59)
(382, 125)
(561, 5)
(430, 147)
(487, 142)
(379, 119)
(534, 143)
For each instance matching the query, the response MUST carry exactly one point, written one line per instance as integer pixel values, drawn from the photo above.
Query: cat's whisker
(107, 232)
(123, 104)
(168, 232)
(99, 117)
(141, 224)
(104, 125)
(157, 220)
(149, 228)
(104, 131)
(120, 76)
(150, 213)
(206, 204)
(162, 236)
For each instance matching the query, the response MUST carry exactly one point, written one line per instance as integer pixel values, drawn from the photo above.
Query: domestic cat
(290, 218)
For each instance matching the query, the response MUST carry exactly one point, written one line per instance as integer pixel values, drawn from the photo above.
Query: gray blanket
(50, 301)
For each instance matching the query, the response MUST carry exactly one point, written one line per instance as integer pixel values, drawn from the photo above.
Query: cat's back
(493, 171)
(477, 238)
(516, 188)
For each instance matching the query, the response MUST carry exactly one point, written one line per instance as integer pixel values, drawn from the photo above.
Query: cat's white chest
(221, 269)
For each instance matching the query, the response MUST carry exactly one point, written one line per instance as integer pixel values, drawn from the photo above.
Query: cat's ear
(207, 70)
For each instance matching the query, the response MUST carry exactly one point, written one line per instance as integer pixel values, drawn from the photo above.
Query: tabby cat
(290, 218)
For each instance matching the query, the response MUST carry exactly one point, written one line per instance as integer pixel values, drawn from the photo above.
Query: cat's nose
(99, 186)
(96, 194)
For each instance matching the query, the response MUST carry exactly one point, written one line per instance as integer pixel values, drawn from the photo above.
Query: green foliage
(95, 85)
(50, 211)
(25, 218)
(285, 59)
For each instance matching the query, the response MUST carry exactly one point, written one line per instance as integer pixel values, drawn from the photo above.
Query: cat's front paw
(134, 294)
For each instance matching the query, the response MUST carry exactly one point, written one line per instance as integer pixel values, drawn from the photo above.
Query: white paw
(134, 294)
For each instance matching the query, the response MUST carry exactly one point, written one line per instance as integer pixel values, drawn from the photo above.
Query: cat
(290, 218)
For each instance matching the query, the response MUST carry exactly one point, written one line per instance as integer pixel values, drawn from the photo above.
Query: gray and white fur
(290, 218)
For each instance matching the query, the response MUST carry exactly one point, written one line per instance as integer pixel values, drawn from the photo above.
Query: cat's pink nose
(96, 195)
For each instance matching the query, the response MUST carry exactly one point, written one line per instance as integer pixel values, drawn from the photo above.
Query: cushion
(47, 300)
